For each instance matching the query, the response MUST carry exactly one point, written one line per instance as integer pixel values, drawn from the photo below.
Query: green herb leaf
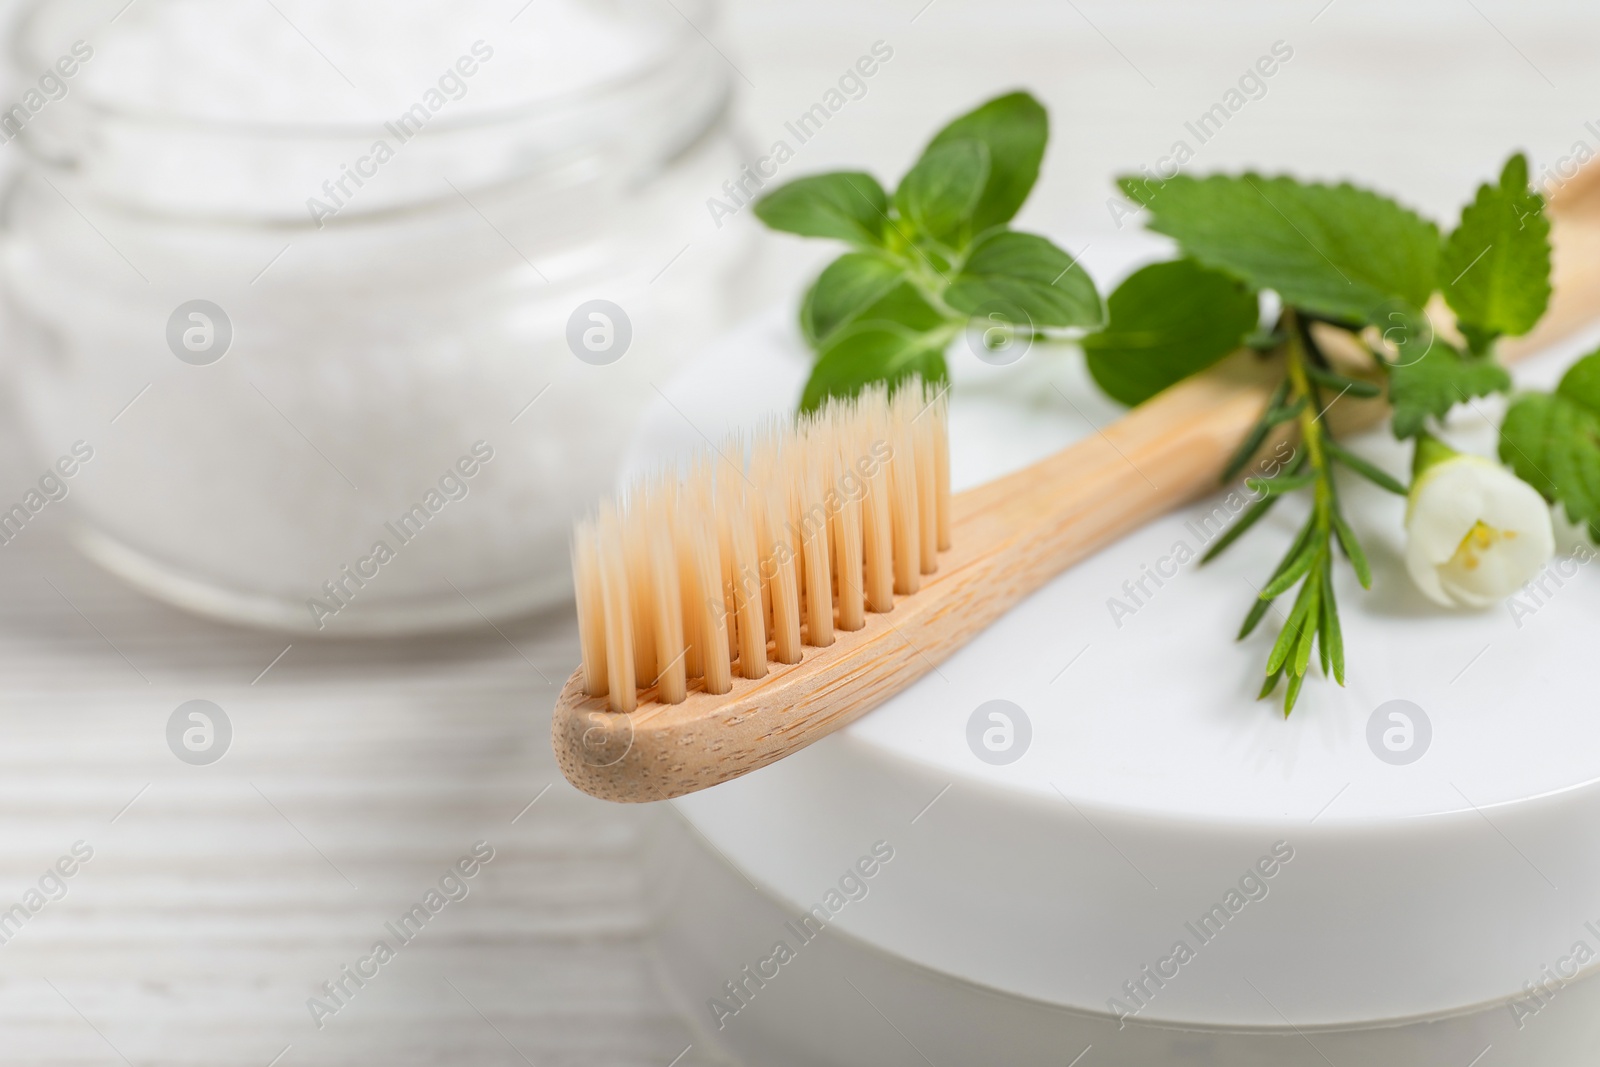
(1552, 441)
(1374, 474)
(1332, 637)
(1289, 636)
(1291, 696)
(1258, 611)
(1581, 383)
(1302, 539)
(1333, 250)
(1293, 557)
(1312, 622)
(1437, 382)
(1284, 483)
(1478, 338)
(904, 304)
(1247, 448)
(846, 287)
(1353, 551)
(874, 352)
(1014, 128)
(1251, 516)
(940, 193)
(1027, 272)
(1284, 412)
(1292, 574)
(1353, 386)
(846, 205)
(1495, 268)
(1258, 433)
(1166, 322)
(1322, 625)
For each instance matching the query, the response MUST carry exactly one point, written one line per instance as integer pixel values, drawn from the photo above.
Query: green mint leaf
(1014, 128)
(1333, 250)
(874, 352)
(904, 305)
(1552, 441)
(1166, 322)
(1495, 268)
(846, 205)
(941, 192)
(1478, 338)
(1581, 383)
(1437, 382)
(845, 288)
(1025, 273)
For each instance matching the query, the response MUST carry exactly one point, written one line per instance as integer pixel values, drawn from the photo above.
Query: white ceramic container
(1139, 864)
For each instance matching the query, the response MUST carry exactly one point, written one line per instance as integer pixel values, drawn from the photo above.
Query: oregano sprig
(1312, 622)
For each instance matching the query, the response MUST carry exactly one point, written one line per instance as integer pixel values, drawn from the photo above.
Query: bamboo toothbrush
(783, 588)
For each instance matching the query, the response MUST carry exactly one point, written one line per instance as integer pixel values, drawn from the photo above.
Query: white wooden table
(220, 897)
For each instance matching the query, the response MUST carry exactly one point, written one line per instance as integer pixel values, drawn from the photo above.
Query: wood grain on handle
(1009, 537)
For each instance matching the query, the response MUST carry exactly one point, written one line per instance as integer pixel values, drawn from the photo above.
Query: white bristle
(616, 612)
(877, 538)
(762, 548)
(591, 609)
(845, 527)
(905, 522)
(671, 680)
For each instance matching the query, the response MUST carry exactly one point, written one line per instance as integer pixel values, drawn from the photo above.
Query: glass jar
(346, 360)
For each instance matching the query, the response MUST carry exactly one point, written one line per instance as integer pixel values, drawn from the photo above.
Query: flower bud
(1475, 532)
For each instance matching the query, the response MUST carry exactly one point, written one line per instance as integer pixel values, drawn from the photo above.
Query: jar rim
(24, 56)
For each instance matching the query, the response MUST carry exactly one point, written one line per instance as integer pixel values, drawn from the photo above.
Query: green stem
(1430, 450)
(1311, 426)
(1306, 625)
(929, 282)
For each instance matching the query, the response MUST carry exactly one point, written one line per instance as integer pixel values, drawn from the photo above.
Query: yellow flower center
(1480, 539)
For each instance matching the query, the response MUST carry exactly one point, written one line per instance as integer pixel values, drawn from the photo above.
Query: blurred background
(245, 346)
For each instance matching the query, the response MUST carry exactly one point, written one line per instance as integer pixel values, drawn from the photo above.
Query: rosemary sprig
(1312, 623)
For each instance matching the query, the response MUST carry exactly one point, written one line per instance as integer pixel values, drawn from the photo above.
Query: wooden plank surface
(219, 897)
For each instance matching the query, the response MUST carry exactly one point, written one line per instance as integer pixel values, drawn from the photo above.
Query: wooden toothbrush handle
(1028, 526)
(1009, 537)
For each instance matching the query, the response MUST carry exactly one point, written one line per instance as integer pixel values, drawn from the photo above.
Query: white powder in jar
(361, 61)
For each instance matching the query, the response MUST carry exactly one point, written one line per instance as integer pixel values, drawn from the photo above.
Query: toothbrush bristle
(762, 547)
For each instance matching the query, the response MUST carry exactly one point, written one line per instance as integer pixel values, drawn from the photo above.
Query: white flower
(1475, 532)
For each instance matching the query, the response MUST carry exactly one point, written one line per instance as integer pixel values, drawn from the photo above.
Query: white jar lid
(1312, 877)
